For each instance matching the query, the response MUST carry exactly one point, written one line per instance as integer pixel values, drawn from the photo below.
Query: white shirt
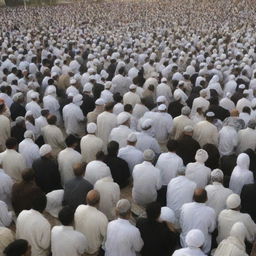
(131, 155)
(5, 215)
(246, 139)
(146, 182)
(109, 196)
(29, 150)
(120, 134)
(6, 238)
(5, 187)
(67, 158)
(5, 130)
(107, 96)
(65, 241)
(131, 98)
(179, 122)
(228, 140)
(197, 216)
(199, 173)
(34, 227)
(189, 251)
(40, 122)
(34, 107)
(122, 239)
(168, 164)
(96, 170)
(180, 190)
(93, 224)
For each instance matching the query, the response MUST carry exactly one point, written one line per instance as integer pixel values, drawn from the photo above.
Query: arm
(5, 216)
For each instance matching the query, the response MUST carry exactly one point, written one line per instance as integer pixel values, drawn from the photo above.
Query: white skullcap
(201, 156)
(92, 77)
(50, 89)
(148, 155)
(132, 87)
(122, 118)
(54, 202)
(99, 102)
(210, 114)
(108, 85)
(29, 134)
(16, 96)
(246, 92)
(188, 128)
(233, 201)
(132, 137)
(45, 149)
(217, 174)
(87, 87)
(162, 107)
(28, 113)
(123, 206)
(185, 111)
(72, 81)
(241, 86)
(163, 80)
(57, 61)
(91, 128)
(34, 95)
(161, 99)
(77, 98)
(167, 214)
(195, 238)
(53, 74)
(71, 94)
(146, 124)
(238, 230)
(19, 119)
(177, 95)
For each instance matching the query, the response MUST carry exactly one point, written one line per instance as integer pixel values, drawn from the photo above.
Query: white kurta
(52, 104)
(246, 139)
(168, 164)
(131, 98)
(199, 102)
(13, 164)
(33, 227)
(131, 155)
(122, 239)
(197, 216)
(6, 238)
(228, 140)
(29, 150)
(189, 251)
(96, 170)
(65, 241)
(109, 196)
(93, 224)
(6, 184)
(67, 158)
(40, 122)
(180, 190)
(5, 131)
(217, 195)
(199, 173)
(179, 123)
(227, 218)
(146, 182)
(120, 135)
(5, 215)
(34, 107)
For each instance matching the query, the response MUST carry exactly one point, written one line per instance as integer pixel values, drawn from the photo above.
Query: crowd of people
(128, 128)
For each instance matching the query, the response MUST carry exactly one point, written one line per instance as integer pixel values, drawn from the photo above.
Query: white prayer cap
(19, 119)
(233, 201)
(177, 95)
(185, 111)
(149, 155)
(188, 128)
(54, 202)
(57, 61)
(108, 85)
(167, 214)
(239, 230)
(132, 87)
(201, 156)
(241, 86)
(132, 137)
(123, 206)
(28, 113)
(210, 114)
(162, 107)
(34, 95)
(99, 102)
(45, 149)
(71, 94)
(53, 74)
(104, 74)
(17, 96)
(87, 87)
(72, 81)
(163, 80)
(92, 77)
(29, 134)
(161, 99)
(195, 238)
(146, 124)
(90, 56)
(50, 90)
(246, 92)
(122, 118)
(91, 128)
(217, 174)
(77, 98)
(203, 93)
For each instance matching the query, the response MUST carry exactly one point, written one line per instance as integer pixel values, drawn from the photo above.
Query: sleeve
(251, 227)
(5, 216)
(45, 236)
(82, 244)
(159, 180)
(212, 225)
(137, 241)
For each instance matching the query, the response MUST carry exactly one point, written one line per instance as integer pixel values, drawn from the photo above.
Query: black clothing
(187, 148)
(157, 237)
(174, 109)
(88, 104)
(111, 71)
(252, 156)
(213, 156)
(248, 198)
(96, 90)
(220, 112)
(75, 192)
(18, 133)
(227, 164)
(47, 175)
(17, 110)
(119, 170)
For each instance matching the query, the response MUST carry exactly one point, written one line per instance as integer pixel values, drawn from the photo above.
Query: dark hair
(11, 143)
(128, 108)
(153, 211)
(246, 110)
(79, 169)
(51, 119)
(113, 148)
(172, 145)
(200, 195)
(109, 106)
(39, 202)
(66, 215)
(17, 248)
(117, 97)
(71, 140)
(100, 155)
(28, 175)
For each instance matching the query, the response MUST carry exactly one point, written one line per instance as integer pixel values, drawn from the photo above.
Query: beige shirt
(6, 237)
(5, 131)
(179, 123)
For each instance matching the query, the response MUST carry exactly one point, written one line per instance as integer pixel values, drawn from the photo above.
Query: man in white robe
(5, 127)
(163, 89)
(7, 237)
(131, 97)
(5, 215)
(33, 105)
(200, 102)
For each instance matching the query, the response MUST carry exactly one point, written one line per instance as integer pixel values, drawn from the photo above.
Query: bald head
(200, 195)
(93, 197)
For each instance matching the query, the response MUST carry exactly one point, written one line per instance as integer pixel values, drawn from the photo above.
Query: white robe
(228, 140)
(5, 131)
(189, 251)
(131, 98)
(5, 215)
(34, 107)
(199, 102)
(246, 139)
(120, 135)
(179, 123)
(6, 184)
(6, 238)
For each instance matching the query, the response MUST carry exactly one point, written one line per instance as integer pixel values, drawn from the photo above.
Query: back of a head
(172, 145)
(28, 175)
(51, 119)
(153, 211)
(217, 176)
(239, 231)
(123, 208)
(71, 140)
(17, 248)
(79, 169)
(113, 148)
(66, 216)
(93, 197)
(195, 238)
(11, 143)
(128, 108)
(39, 202)
(200, 195)
(109, 106)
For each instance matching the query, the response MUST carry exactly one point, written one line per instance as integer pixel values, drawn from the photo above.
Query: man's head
(153, 211)
(11, 143)
(93, 198)
(172, 145)
(28, 175)
(66, 216)
(19, 247)
(131, 139)
(217, 176)
(200, 195)
(113, 148)
(45, 151)
(79, 169)
(52, 119)
(109, 107)
(71, 141)
(123, 209)
(233, 202)
(39, 202)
